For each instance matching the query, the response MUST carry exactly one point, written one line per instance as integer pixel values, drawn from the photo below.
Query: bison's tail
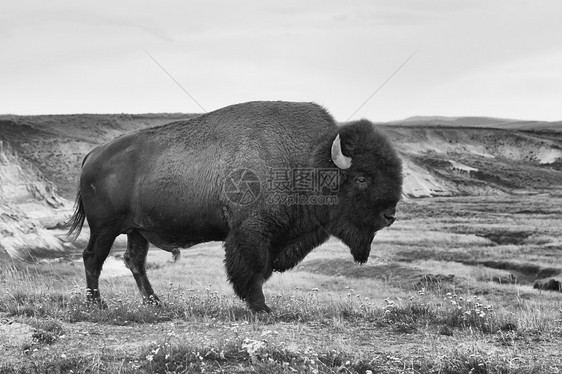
(75, 223)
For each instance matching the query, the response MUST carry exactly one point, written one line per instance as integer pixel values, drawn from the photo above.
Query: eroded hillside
(42, 155)
(29, 205)
(40, 159)
(56, 144)
(449, 161)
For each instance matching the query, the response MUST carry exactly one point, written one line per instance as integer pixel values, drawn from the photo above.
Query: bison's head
(370, 185)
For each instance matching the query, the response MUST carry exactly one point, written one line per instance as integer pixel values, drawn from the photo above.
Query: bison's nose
(389, 215)
(390, 218)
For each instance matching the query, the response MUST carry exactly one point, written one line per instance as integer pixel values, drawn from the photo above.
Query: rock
(14, 334)
(548, 285)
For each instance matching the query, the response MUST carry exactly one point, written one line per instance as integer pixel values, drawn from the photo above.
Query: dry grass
(402, 312)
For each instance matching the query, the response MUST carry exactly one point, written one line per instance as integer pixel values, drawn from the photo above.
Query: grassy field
(448, 289)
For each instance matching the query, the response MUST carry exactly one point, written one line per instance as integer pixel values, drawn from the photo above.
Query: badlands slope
(450, 161)
(29, 205)
(40, 159)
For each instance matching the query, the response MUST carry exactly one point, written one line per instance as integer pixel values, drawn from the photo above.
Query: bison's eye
(361, 181)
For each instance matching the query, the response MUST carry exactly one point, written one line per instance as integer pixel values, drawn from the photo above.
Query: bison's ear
(339, 159)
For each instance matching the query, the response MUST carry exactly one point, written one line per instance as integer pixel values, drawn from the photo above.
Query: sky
(470, 58)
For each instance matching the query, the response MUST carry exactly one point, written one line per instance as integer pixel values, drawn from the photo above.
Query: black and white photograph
(281, 187)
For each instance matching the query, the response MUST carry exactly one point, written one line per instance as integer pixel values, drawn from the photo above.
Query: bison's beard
(358, 240)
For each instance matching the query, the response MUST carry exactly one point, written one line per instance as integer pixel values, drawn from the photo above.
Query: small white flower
(253, 347)
(265, 333)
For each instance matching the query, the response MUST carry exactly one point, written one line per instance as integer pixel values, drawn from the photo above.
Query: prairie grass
(434, 313)
(418, 306)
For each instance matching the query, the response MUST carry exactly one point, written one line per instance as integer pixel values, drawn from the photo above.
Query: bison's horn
(341, 161)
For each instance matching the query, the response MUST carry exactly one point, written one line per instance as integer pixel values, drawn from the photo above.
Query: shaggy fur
(166, 185)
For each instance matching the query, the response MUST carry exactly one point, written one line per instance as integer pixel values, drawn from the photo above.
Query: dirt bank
(40, 159)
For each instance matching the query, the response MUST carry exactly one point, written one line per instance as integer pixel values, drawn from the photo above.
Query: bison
(273, 180)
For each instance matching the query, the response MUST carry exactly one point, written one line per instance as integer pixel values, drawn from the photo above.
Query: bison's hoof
(151, 300)
(260, 308)
(96, 302)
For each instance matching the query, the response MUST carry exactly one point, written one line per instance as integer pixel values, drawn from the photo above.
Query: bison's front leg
(248, 264)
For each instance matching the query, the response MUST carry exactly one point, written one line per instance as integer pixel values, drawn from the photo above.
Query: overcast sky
(491, 58)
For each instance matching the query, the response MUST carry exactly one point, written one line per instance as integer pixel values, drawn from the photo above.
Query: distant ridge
(480, 122)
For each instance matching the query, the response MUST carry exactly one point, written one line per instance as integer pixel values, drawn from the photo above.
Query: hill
(452, 161)
(29, 205)
(442, 157)
(40, 158)
(480, 122)
(56, 144)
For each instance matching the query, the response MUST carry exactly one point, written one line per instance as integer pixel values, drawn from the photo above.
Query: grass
(427, 306)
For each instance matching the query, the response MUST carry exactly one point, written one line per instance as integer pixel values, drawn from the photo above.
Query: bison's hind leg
(94, 256)
(135, 260)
